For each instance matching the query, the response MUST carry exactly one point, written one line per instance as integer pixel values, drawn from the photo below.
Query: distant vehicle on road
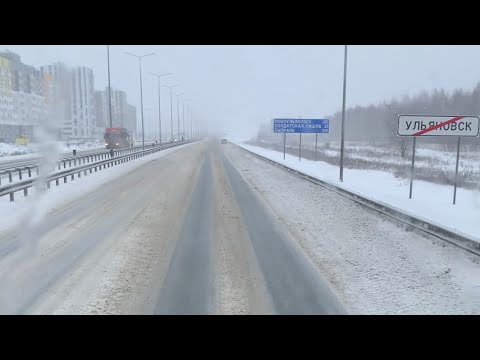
(117, 138)
(224, 141)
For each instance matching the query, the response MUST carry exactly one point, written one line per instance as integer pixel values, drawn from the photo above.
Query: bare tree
(391, 116)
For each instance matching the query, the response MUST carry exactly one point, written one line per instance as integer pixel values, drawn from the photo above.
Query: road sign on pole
(435, 125)
(311, 126)
(300, 149)
(432, 125)
(300, 126)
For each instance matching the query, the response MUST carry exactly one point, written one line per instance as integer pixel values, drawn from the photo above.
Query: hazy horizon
(236, 88)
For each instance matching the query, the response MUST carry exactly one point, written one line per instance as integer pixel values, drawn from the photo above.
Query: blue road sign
(315, 126)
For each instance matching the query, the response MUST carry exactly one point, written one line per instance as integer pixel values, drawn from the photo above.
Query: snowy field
(432, 202)
(433, 162)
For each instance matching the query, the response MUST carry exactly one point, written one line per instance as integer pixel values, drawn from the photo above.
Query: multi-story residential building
(71, 97)
(22, 104)
(131, 120)
(62, 99)
(57, 87)
(83, 103)
(121, 110)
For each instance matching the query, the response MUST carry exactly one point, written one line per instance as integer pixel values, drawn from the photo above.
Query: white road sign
(432, 125)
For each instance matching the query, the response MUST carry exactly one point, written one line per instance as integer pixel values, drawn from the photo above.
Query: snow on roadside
(374, 266)
(13, 151)
(13, 212)
(432, 202)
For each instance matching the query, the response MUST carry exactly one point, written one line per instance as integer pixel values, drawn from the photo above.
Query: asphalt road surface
(185, 233)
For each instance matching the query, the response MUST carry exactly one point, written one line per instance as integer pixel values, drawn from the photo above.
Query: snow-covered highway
(207, 228)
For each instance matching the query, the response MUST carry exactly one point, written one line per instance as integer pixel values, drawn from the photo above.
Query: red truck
(117, 138)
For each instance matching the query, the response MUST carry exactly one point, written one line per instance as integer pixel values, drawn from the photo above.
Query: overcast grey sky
(235, 88)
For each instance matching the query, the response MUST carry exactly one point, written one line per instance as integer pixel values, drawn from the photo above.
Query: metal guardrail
(89, 167)
(24, 169)
(412, 222)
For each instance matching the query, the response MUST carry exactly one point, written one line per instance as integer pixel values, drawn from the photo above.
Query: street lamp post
(109, 87)
(159, 106)
(178, 115)
(171, 108)
(183, 116)
(192, 122)
(342, 142)
(141, 91)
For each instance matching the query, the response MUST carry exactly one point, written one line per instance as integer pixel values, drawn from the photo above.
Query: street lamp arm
(139, 56)
(132, 54)
(157, 75)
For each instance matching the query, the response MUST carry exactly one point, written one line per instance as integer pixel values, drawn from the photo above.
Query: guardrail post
(64, 164)
(29, 172)
(20, 174)
(37, 169)
(56, 182)
(48, 184)
(25, 192)
(64, 179)
(9, 176)
(12, 197)
(79, 174)
(59, 165)
(69, 163)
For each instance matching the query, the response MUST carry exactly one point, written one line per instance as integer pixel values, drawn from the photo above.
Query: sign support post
(300, 149)
(413, 166)
(301, 126)
(456, 172)
(438, 125)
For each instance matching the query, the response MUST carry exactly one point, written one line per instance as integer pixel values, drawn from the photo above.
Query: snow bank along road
(210, 229)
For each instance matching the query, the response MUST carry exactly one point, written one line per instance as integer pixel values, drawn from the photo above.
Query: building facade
(71, 98)
(57, 88)
(61, 99)
(83, 103)
(121, 110)
(131, 120)
(22, 103)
